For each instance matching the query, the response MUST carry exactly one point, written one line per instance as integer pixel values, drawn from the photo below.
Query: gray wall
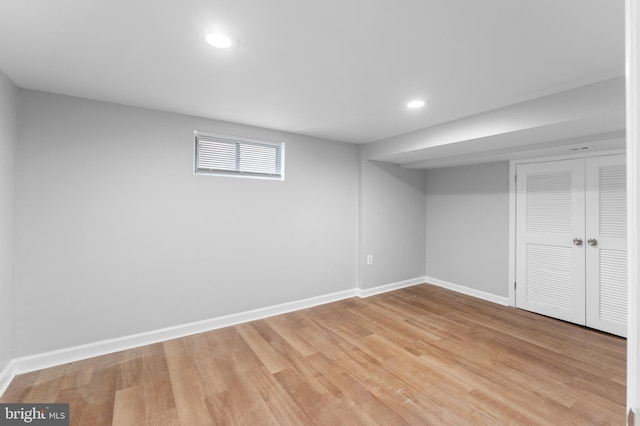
(468, 226)
(392, 223)
(117, 236)
(8, 105)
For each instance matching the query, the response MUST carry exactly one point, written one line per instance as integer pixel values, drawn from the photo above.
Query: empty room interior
(336, 212)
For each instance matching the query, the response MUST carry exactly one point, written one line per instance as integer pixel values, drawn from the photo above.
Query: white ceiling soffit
(336, 69)
(592, 115)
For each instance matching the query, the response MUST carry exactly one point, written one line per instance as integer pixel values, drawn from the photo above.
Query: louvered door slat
(613, 286)
(613, 201)
(556, 202)
(549, 268)
(549, 281)
(549, 202)
(606, 278)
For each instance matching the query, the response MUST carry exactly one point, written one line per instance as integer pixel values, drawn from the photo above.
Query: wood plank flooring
(418, 356)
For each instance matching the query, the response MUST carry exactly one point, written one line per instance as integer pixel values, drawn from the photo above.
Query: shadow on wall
(411, 177)
(476, 180)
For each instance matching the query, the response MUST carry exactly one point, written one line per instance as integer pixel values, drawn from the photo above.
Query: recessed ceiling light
(418, 103)
(221, 40)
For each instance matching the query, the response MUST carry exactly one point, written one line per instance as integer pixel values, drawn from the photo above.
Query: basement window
(220, 155)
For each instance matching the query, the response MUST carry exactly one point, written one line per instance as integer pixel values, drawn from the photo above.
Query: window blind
(221, 155)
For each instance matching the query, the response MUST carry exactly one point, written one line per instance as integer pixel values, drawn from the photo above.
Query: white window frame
(238, 142)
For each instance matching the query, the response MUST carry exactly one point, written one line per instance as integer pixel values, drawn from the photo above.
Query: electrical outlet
(370, 259)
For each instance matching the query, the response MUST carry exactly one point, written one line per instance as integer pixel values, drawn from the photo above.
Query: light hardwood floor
(421, 355)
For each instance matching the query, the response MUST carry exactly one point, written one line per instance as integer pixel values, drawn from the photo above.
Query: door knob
(577, 241)
(592, 242)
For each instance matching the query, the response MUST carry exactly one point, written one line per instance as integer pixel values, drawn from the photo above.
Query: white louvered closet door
(606, 244)
(550, 224)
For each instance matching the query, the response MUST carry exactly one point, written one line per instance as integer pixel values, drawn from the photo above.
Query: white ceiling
(336, 69)
(591, 117)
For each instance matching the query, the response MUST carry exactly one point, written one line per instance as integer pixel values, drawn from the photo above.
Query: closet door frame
(512, 205)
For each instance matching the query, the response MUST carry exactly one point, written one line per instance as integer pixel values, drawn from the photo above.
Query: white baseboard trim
(6, 376)
(63, 356)
(76, 353)
(367, 292)
(468, 291)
